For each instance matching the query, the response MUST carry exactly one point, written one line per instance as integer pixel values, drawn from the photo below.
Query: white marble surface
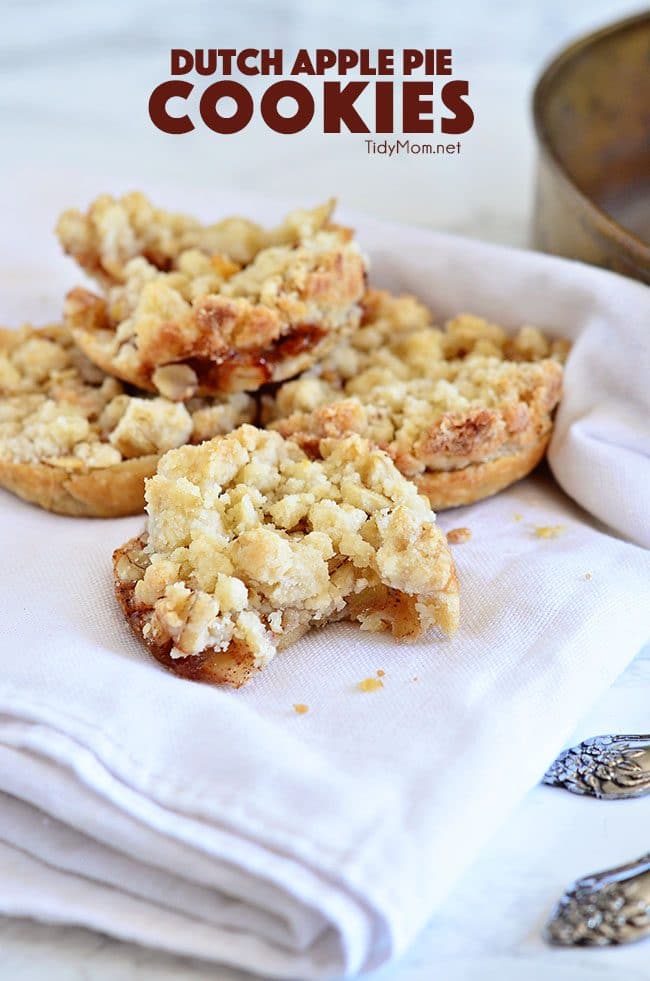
(76, 78)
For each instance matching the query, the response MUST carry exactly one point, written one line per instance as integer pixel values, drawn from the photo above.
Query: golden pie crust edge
(108, 492)
(455, 488)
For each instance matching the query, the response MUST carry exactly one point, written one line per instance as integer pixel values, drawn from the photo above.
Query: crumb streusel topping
(434, 399)
(115, 230)
(249, 542)
(230, 306)
(57, 408)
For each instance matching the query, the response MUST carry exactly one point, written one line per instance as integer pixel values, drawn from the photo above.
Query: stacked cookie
(366, 415)
(189, 319)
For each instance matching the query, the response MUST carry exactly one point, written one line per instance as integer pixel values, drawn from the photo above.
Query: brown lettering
(226, 124)
(384, 112)
(227, 55)
(287, 124)
(182, 61)
(412, 59)
(325, 58)
(243, 57)
(452, 97)
(205, 62)
(348, 59)
(174, 88)
(443, 61)
(271, 61)
(414, 104)
(302, 65)
(339, 107)
(385, 60)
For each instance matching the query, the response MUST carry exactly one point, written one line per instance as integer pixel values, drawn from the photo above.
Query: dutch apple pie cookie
(204, 310)
(74, 441)
(250, 543)
(463, 412)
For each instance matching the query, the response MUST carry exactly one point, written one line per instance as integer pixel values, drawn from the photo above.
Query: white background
(73, 100)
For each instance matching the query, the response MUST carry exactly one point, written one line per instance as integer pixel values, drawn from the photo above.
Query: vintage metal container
(591, 109)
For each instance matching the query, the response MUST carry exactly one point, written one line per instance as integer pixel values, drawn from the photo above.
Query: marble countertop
(75, 83)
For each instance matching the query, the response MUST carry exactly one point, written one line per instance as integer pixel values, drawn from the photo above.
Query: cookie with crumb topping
(113, 231)
(225, 307)
(74, 441)
(463, 411)
(250, 543)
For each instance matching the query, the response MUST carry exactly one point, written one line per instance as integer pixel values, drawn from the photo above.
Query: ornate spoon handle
(608, 767)
(611, 907)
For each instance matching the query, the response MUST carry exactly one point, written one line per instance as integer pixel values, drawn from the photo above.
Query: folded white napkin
(222, 823)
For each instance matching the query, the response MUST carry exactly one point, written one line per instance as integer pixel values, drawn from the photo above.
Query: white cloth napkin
(223, 824)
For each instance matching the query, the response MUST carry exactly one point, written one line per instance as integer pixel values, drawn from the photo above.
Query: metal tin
(591, 109)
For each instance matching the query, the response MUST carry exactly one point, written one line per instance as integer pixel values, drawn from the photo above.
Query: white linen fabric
(223, 824)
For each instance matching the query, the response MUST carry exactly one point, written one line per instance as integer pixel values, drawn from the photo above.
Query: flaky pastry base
(456, 488)
(108, 492)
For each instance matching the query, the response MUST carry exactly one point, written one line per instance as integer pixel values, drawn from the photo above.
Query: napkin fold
(224, 825)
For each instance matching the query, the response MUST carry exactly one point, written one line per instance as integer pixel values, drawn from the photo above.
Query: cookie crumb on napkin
(549, 531)
(458, 536)
(370, 684)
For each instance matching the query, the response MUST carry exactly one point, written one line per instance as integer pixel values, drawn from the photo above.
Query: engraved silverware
(608, 767)
(611, 907)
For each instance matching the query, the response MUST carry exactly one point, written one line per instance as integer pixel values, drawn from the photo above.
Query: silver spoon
(608, 767)
(611, 907)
